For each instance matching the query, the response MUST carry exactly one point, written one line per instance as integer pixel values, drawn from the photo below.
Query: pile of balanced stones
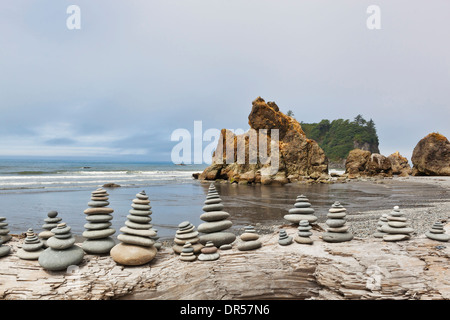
(337, 231)
(216, 222)
(62, 251)
(187, 253)
(186, 233)
(283, 238)
(249, 239)
(51, 222)
(437, 232)
(137, 244)
(4, 231)
(381, 222)
(209, 252)
(98, 227)
(397, 227)
(302, 211)
(304, 234)
(4, 250)
(32, 247)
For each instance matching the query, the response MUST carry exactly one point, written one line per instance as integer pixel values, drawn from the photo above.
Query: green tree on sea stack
(290, 113)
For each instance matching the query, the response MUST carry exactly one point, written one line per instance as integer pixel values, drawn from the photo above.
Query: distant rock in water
(363, 163)
(111, 185)
(298, 155)
(400, 165)
(431, 156)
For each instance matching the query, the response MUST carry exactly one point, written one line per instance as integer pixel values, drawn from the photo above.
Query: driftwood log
(361, 269)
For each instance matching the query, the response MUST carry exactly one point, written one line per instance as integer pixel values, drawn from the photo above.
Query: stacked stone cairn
(51, 222)
(302, 211)
(186, 233)
(337, 231)
(4, 231)
(62, 251)
(250, 239)
(437, 232)
(209, 252)
(381, 222)
(215, 221)
(98, 227)
(4, 250)
(187, 254)
(304, 233)
(137, 246)
(283, 238)
(32, 247)
(397, 227)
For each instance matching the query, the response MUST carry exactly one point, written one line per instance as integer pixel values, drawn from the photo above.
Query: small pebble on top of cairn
(437, 232)
(51, 222)
(31, 247)
(4, 231)
(283, 238)
(304, 233)
(249, 239)
(209, 252)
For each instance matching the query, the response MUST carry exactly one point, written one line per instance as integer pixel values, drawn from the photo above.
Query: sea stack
(186, 233)
(51, 222)
(437, 232)
(302, 211)
(250, 239)
(4, 231)
(62, 250)
(137, 246)
(187, 254)
(304, 233)
(209, 252)
(283, 238)
(337, 231)
(215, 221)
(397, 228)
(98, 227)
(381, 222)
(32, 247)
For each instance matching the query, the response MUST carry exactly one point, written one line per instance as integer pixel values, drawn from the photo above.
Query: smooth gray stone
(184, 224)
(135, 225)
(3, 224)
(218, 238)
(225, 247)
(208, 227)
(99, 218)
(395, 237)
(397, 224)
(149, 233)
(63, 235)
(4, 250)
(249, 245)
(391, 230)
(213, 207)
(301, 211)
(5, 238)
(379, 234)
(97, 225)
(184, 236)
(136, 240)
(335, 223)
(60, 244)
(97, 234)
(212, 201)
(285, 241)
(52, 220)
(208, 256)
(49, 226)
(303, 240)
(142, 196)
(438, 236)
(29, 255)
(304, 233)
(52, 214)
(4, 232)
(401, 219)
(97, 204)
(32, 246)
(304, 228)
(185, 230)
(98, 246)
(187, 249)
(337, 215)
(145, 207)
(56, 260)
(296, 218)
(338, 229)
(140, 212)
(214, 216)
(138, 219)
(437, 231)
(337, 236)
(302, 205)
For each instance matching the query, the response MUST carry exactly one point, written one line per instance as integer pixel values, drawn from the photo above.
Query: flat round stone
(285, 241)
(208, 256)
(98, 246)
(337, 236)
(132, 255)
(99, 198)
(248, 236)
(60, 244)
(337, 215)
(32, 246)
(57, 260)
(141, 201)
(301, 211)
(213, 201)
(303, 240)
(391, 230)
(186, 230)
(397, 224)
(99, 218)
(184, 236)
(214, 216)
(335, 223)
(98, 211)
(302, 205)
(136, 240)
(395, 237)
(97, 234)
(141, 196)
(339, 229)
(213, 207)
(296, 218)
(139, 219)
(141, 206)
(4, 250)
(139, 232)
(401, 219)
(97, 204)
(135, 225)
(208, 227)
(29, 255)
(439, 237)
(249, 245)
(140, 212)
(97, 225)
(178, 248)
(218, 238)
(337, 210)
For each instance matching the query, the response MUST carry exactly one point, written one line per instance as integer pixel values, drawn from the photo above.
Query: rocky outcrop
(400, 165)
(431, 156)
(297, 155)
(363, 163)
(360, 269)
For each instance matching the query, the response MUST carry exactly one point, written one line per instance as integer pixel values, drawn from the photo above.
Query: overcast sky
(138, 70)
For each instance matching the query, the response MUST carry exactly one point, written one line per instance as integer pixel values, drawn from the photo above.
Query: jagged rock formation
(363, 163)
(431, 156)
(361, 269)
(297, 155)
(400, 165)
